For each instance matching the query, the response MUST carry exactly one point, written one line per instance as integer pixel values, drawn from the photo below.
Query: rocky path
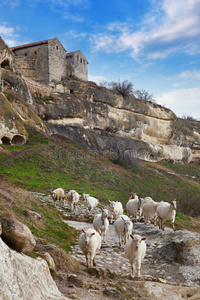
(111, 256)
(172, 258)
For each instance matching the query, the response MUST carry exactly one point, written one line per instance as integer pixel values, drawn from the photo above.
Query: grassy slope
(45, 163)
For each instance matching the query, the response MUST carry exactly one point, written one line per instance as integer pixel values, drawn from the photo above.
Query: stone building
(79, 63)
(47, 60)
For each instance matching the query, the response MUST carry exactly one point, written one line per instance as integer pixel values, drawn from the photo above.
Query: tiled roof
(29, 45)
(70, 53)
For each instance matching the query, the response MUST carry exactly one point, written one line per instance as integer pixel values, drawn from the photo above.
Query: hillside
(50, 162)
(45, 163)
(93, 116)
(76, 135)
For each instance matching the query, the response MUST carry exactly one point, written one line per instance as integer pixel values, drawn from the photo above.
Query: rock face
(16, 102)
(23, 277)
(127, 128)
(17, 235)
(6, 56)
(93, 116)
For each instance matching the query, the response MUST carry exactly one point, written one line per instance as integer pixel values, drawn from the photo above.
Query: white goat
(73, 198)
(149, 209)
(135, 250)
(90, 243)
(166, 211)
(58, 195)
(146, 200)
(123, 227)
(101, 223)
(116, 209)
(133, 195)
(133, 207)
(90, 202)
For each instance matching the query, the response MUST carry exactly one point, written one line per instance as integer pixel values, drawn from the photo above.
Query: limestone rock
(11, 126)
(15, 110)
(6, 56)
(33, 216)
(23, 277)
(164, 291)
(182, 247)
(17, 235)
(93, 116)
(50, 261)
(102, 121)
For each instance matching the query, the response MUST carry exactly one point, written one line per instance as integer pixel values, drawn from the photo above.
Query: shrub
(124, 88)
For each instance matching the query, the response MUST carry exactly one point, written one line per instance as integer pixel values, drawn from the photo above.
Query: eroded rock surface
(17, 235)
(24, 278)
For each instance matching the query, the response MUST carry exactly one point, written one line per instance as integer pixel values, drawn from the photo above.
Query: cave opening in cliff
(5, 64)
(18, 140)
(5, 140)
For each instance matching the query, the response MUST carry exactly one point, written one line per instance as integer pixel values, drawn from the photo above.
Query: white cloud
(10, 43)
(183, 102)
(9, 34)
(72, 34)
(194, 74)
(75, 18)
(4, 30)
(170, 25)
(97, 79)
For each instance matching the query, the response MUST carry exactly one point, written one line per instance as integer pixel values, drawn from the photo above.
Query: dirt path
(111, 256)
(161, 276)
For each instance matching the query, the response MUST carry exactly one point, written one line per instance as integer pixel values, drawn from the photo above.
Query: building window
(81, 60)
(84, 61)
(35, 52)
(77, 58)
(25, 54)
(56, 47)
(71, 91)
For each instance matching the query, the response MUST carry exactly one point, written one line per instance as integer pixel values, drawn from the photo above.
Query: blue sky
(155, 44)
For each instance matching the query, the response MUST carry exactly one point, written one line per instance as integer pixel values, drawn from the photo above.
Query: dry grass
(63, 261)
(8, 214)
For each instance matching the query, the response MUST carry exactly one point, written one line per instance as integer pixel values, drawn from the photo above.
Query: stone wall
(33, 61)
(79, 62)
(46, 62)
(57, 60)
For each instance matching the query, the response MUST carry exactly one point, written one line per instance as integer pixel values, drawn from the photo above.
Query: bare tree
(124, 88)
(144, 95)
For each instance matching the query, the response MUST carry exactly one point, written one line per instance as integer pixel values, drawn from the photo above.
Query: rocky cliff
(95, 117)
(23, 277)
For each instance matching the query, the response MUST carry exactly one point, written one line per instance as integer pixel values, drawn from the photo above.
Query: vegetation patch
(45, 163)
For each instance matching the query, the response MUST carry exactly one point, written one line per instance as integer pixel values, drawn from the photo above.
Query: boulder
(182, 247)
(23, 277)
(17, 235)
(50, 261)
(33, 215)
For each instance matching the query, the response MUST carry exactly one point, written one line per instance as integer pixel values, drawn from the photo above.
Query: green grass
(51, 228)
(192, 171)
(45, 163)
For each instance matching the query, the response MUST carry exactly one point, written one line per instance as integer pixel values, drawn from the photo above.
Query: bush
(124, 88)
(144, 95)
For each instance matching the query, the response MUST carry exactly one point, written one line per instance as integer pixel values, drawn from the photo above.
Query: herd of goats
(134, 245)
